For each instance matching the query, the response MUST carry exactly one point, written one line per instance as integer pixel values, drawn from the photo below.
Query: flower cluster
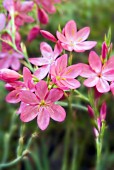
(46, 79)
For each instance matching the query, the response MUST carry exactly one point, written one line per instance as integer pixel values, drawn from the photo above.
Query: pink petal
(26, 75)
(86, 45)
(82, 34)
(28, 97)
(26, 6)
(91, 82)
(43, 119)
(70, 83)
(5, 62)
(13, 97)
(29, 113)
(41, 72)
(54, 95)
(109, 75)
(41, 89)
(57, 113)
(95, 62)
(103, 86)
(73, 71)
(48, 35)
(70, 30)
(2, 21)
(46, 49)
(39, 61)
(109, 65)
(87, 71)
(15, 65)
(67, 47)
(61, 63)
(57, 50)
(17, 55)
(61, 37)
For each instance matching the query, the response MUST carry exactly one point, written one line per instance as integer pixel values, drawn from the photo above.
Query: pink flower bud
(48, 35)
(8, 75)
(104, 50)
(33, 33)
(42, 16)
(103, 111)
(90, 111)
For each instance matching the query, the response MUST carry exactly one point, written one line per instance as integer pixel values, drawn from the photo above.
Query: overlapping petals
(41, 105)
(63, 76)
(71, 39)
(98, 74)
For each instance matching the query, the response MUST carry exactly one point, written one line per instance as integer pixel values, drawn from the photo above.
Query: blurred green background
(48, 147)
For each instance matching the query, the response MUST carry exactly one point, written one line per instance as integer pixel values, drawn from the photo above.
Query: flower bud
(33, 33)
(104, 50)
(8, 75)
(48, 35)
(90, 111)
(103, 112)
(42, 16)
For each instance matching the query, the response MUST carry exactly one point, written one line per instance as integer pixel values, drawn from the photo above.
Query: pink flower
(48, 5)
(49, 57)
(18, 87)
(98, 75)
(9, 57)
(34, 32)
(8, 75)
(71, 39)
(42, 105)
(20, 10)
(63, 76)
(2, 21)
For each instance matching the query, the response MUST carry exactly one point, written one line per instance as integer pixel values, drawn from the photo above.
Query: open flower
(63, 76)
(20, 11)
(98, 75)
(71, 39)
(49, 57)
(48, 5)
(42, 105)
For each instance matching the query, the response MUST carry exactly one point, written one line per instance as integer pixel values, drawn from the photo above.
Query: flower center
(60, 78)
(42, 103)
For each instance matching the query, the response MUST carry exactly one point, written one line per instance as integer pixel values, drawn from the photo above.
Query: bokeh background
(48, 147)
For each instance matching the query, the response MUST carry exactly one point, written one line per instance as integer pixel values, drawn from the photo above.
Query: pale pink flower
(98, 74)
(63, 76)
(9, 57)
(33, 33)
(71, 39)
(18, 87)
(49, 57)
(42, 105)
(48, 5)
(20, 10)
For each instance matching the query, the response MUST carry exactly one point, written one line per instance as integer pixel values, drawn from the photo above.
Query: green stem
(80, 95)
(15, 161)
(67, 135)
(70, 58)
(99, 149)
(75, 150)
